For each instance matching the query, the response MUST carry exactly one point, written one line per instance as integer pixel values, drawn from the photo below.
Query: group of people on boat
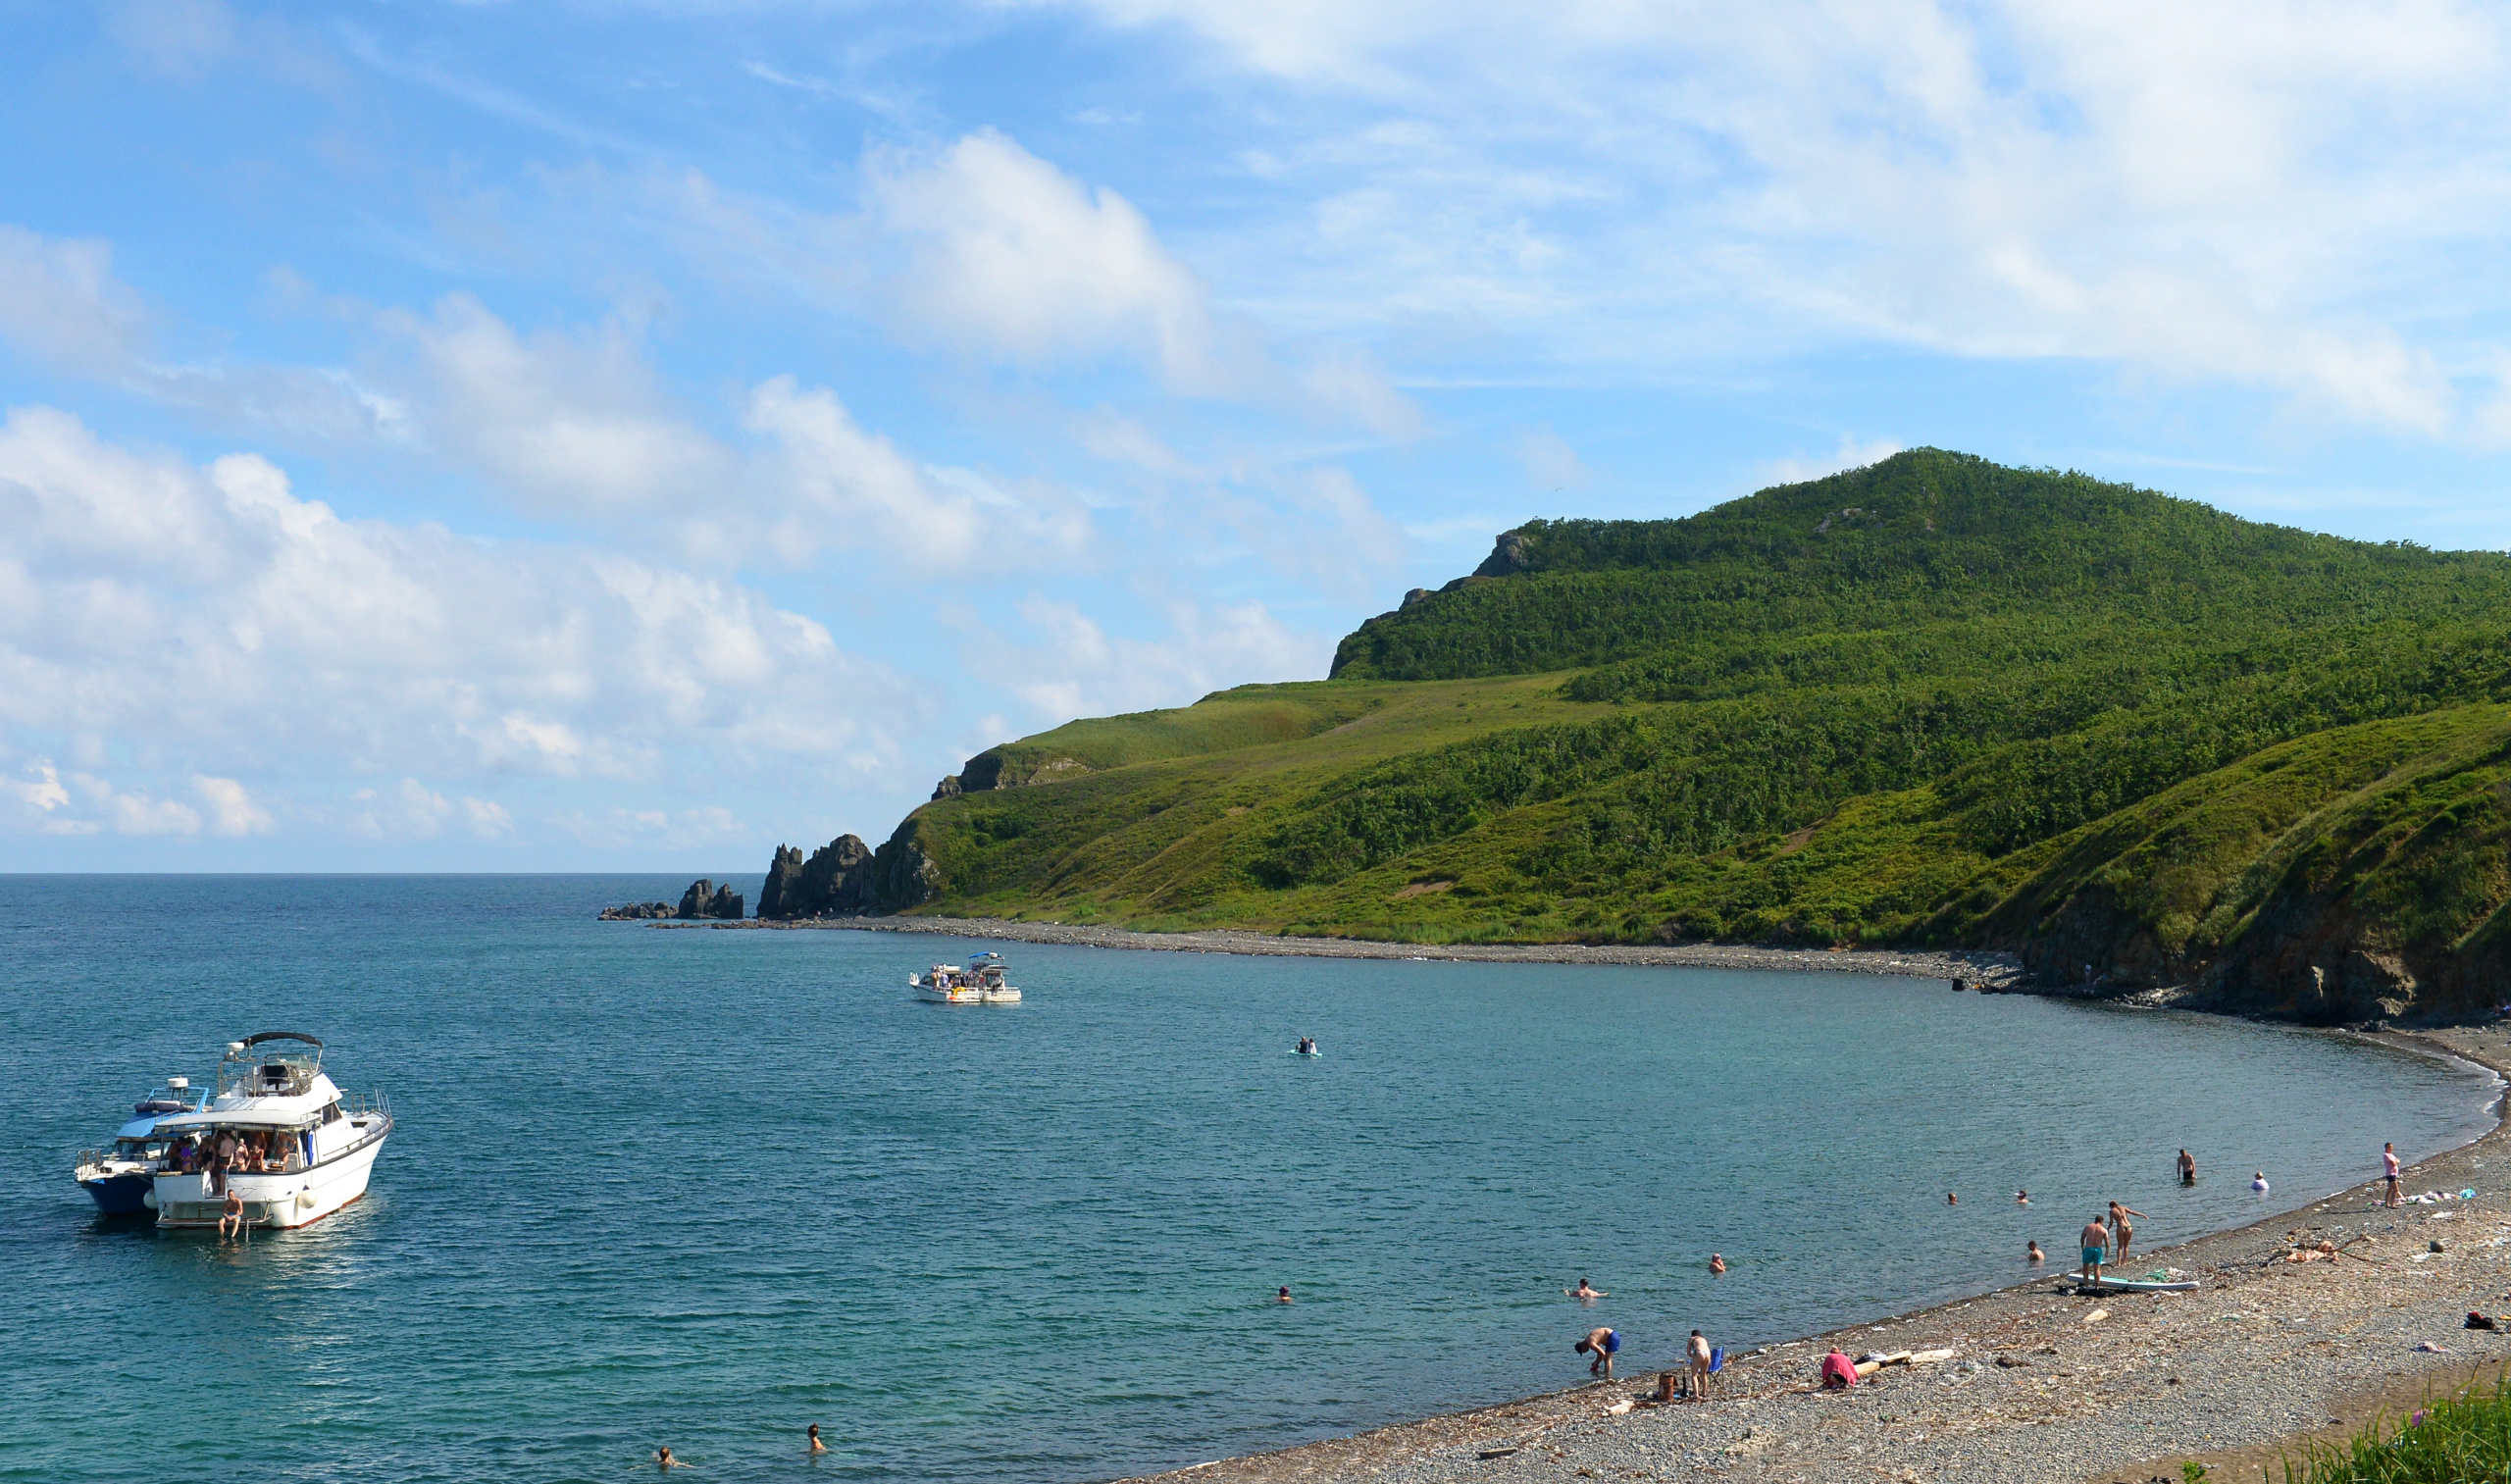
(240, 1151)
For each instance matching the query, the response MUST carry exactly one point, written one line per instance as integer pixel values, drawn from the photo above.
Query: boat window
(331, 1112)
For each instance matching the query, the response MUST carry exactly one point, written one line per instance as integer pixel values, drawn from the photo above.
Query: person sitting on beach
(2121, 1231)
(1838, 1370)
(1582, 1291)
(230, 1217)
(2096, 1245)
(1284, 1297)
(2187, 1168)
(2033, 1254)
(1716, 1266)
(1604, 1344)
(2389, 1172)
(1698, 1351)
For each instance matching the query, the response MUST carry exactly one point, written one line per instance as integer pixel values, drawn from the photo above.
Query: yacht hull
(119, 1195)
(289, 1198)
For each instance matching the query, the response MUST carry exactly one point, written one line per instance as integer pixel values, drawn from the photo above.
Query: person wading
(2118, 1226)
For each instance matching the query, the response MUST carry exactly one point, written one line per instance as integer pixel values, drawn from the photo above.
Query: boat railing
(357, 1104)
(88, 1157)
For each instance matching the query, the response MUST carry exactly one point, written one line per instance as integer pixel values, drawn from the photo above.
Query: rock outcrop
(839, 880)
(947, 787)
(704, 899)
(637, 911)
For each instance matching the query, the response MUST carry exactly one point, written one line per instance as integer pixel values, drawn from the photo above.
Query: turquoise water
(706, 1187)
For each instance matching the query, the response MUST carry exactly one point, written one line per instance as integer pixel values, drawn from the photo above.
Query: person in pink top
(1838, 1370)
(2389, 1172)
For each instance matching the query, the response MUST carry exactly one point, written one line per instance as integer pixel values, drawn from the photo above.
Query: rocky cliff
(846, 878)
(702, 899)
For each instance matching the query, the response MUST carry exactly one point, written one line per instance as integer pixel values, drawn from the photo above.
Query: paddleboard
(2135, 1286)
(1308, 1053)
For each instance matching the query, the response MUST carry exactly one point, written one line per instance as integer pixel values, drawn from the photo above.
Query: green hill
(1932, 702)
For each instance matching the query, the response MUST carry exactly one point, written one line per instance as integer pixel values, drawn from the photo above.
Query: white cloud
(1797, 468)
(206, 629)
(232, 810)
(1010, 257)
(488, 820)
(1550, 463)
(2274, 193)
(1063, 664)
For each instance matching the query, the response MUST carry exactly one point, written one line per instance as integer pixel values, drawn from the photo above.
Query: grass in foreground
(2464, 1440)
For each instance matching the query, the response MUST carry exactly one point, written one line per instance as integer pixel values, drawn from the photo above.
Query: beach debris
(2478, 1319)
(1495, 1452)
(2436, 1245)
(1931, 1357)
(2011, 1363)
(1618, 1407)
(2431, 1349)
(2096, 1316)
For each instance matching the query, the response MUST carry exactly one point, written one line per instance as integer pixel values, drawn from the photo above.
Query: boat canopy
(282, 1035)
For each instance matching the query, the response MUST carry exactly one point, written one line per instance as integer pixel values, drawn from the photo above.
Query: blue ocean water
(704, 1186)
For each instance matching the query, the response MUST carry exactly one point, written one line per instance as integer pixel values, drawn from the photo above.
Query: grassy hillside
(1932, 702)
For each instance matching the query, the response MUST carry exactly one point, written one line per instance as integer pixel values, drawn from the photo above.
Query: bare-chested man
(1603, 1343)
(2096, 1243)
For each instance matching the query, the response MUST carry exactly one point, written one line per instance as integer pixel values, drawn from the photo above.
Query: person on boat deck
(221, 1157)
(1838, 1370)
(230, 1217)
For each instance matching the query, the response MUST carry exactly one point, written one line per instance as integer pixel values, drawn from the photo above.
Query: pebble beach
(2043, 1385)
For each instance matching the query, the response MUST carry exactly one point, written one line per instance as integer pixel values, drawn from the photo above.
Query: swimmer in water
(664, 1459)
(1951, 1198)
(2257, 1182)
(2034, 1254)
(1716, 1265)
(1583, 1291)
(816, 1444)
(2022, 1197)
(1284, 1297)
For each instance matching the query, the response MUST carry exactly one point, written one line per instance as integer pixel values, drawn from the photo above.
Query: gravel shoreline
(2043, 1386)
(1996, 971)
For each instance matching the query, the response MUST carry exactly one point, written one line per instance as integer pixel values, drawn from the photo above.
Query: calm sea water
(706, 1187)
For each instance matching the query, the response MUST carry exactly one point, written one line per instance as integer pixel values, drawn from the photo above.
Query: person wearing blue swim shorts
(1604, 1344)
(2096, 1243)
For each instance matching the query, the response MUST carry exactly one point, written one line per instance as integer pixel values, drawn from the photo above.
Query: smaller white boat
(979, 983)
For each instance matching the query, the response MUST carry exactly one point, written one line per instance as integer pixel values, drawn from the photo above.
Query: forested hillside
(1934, 700)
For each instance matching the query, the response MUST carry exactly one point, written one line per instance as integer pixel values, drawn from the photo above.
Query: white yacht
(302, 1148)
(979, 983)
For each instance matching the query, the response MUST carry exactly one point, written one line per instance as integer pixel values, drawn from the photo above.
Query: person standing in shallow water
(1603, 1343)
(2033, 1254)
(2187, 1168)
(2122, 1232)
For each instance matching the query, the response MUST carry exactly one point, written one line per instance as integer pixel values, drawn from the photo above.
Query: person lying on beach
(2036, 1254)
(2096, 1243)
(2120, 1230)
(1582, 1291)
(1604, 1344)
(1838, 1370)
(1716, 1265)
(2187, 1168)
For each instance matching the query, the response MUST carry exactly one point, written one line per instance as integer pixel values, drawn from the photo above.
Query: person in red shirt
(1838, 1370)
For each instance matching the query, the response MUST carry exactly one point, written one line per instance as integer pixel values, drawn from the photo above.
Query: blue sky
(558, 437)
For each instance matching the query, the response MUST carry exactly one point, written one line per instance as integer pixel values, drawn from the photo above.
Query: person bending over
(1604, 1344)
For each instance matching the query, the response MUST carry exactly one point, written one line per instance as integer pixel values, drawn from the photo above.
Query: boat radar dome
(179, 1083)
(234, 1047)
